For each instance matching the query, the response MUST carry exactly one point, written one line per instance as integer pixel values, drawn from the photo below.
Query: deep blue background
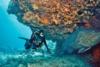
(11, 29)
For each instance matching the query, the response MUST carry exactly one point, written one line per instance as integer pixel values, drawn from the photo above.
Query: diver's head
(41, 32)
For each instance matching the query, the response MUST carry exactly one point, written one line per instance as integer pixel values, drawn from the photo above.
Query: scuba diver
(36, 41)
(41, 36)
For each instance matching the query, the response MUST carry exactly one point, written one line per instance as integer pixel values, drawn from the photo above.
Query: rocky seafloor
(39, 60)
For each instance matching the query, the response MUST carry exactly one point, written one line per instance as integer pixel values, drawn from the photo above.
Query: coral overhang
(56, 17)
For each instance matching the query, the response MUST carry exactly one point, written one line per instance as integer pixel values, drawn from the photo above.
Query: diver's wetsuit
(43, 40)
(31, 43)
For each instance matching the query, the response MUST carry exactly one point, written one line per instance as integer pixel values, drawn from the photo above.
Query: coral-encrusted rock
(96, 22)
(80, 41)
(46, 15)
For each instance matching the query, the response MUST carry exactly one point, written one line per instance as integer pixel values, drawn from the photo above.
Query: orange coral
(55, 11)
(44, 20)
(28, 16)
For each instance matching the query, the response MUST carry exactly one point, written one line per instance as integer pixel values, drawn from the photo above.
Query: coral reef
(55, 17)
(19, 60)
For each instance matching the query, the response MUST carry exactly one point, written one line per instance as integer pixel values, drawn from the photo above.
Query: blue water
(11, 29)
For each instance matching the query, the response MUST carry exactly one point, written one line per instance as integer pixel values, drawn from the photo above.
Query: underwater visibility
(49, 33)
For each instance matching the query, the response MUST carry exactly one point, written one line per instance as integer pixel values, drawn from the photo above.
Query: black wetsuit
(31, 43)
(43, 40)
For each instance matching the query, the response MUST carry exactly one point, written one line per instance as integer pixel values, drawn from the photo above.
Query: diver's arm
(47, 46)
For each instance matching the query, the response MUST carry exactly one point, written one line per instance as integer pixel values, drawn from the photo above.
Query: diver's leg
(34, 48)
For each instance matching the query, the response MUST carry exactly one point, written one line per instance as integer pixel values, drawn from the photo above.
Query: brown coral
(58, 16)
